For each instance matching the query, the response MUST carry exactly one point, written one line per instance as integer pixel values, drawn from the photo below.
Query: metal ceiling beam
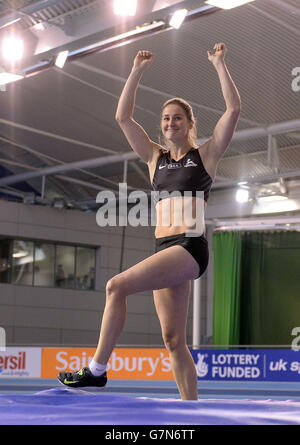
(96, 162)
(47, 159)
(62, 177)
(54, 181)
(27, 10)
(80, 36)
(83, 183)
(258, 132)
(265, 178)
(274, 162)
(54, 136)
(278, 128)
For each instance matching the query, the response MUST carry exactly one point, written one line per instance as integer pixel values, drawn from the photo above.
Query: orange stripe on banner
(124, 363)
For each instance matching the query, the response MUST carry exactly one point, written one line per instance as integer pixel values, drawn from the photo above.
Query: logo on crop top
(174, 165)
(162, 166)
(190, 163)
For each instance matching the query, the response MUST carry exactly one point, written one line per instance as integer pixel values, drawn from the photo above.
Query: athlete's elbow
(118, 117)
(121, 118)
(234, 109)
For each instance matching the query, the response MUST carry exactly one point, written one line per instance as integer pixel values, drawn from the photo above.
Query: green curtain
(270, 292)
(227, 248)
(256, 287)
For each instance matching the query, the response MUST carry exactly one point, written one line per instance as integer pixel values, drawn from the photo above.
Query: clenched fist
(219, 55)
(143, 60)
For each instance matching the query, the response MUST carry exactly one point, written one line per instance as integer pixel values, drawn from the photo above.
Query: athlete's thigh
(169, 267)
(172, 306)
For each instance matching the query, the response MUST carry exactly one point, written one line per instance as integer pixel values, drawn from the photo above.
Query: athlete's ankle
(96, 368)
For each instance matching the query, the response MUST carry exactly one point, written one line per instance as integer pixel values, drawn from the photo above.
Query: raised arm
(138, 139)
(225, 127)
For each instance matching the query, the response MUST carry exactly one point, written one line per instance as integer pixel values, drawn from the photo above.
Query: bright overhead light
(9, 78)
(12, 48)
(242, 195)
(20, 254)
(125, 7)
(39, 27)
(227, 4)
(58, 203)
(177, 18)
(274, 197)
(45, 49)
(61, 59)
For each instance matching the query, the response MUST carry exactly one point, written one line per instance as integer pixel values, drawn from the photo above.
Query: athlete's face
(174, 123)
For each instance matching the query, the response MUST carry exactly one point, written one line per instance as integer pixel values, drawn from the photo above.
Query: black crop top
(188, 174)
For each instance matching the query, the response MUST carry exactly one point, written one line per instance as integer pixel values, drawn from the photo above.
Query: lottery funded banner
(154, 364)
(248, 364)
(124, 363)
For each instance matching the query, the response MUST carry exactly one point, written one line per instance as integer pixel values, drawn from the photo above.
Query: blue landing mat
(60, 406)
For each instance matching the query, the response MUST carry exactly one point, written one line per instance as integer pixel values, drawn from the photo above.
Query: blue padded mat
(60, 406)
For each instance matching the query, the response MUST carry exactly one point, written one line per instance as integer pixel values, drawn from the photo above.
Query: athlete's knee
(115, 288)
(173, 341)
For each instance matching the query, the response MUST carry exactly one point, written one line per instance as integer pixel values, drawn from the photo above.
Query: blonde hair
(192, 137)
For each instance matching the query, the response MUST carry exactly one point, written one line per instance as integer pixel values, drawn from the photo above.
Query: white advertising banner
(20, 362)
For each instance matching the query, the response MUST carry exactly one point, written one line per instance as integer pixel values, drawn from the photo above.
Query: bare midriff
(179, 215)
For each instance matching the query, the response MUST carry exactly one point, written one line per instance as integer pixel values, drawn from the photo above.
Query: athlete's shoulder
(161, 149)
(157, 157)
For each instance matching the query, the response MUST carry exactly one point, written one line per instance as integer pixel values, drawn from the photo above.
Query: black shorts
(197, 246)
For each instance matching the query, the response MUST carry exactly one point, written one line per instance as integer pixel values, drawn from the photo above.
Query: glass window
(44, 255)
(22, 262)
(85, 268)
(65, 266)
(36, 263)
(4, 260)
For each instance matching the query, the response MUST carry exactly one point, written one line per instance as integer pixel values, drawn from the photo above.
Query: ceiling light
(61, 59)
(58, 203)
(125, 7)
(227, 4)
(39, 27)
(12, 48)
(271, 198)
(20, 254)
(9, 78)
(177, 18)
(242, 195)
(29, 198)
